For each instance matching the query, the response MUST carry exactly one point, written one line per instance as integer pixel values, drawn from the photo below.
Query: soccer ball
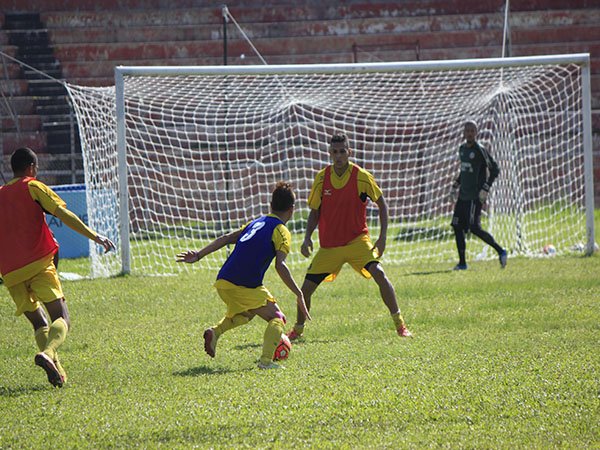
(549, 250)
(283, 349)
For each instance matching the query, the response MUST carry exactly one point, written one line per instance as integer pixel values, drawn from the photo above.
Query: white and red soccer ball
(283, 349)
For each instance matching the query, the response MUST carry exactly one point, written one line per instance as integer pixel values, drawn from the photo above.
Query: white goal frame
(582, 60)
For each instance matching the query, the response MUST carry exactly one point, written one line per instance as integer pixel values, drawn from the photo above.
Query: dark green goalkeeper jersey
(478, 170)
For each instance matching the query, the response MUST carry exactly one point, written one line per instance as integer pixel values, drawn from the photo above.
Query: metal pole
(72, 138)
(122, 169)
(225, 12)
(588, 158)
(275, 69)
(227, 164)
(506, 45)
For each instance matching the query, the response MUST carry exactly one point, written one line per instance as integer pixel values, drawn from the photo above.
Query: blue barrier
(72, 244)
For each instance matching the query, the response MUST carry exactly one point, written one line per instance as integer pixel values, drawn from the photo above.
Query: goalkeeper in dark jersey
(478, 170)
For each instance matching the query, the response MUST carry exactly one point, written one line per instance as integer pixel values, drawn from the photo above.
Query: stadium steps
(12, 140)
(184, 12)
(25, 123)
(53, 115)
(10, 69)
(20, 105)
(431, 32)
(14, 87)
(48, 127)
(90, 38)
(341, 24)
(291, 45)
(550, 26)
(298, 28)
(73, 34)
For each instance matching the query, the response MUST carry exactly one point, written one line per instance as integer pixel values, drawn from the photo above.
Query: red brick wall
(90, 37)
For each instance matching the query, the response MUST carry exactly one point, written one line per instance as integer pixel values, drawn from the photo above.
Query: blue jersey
(252, 255)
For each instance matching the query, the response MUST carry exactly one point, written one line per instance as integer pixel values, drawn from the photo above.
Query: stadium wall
(87, 38)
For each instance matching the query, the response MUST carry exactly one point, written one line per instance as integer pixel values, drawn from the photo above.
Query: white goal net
(189, 153)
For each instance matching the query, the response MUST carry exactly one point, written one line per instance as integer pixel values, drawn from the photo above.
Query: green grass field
(500, 359)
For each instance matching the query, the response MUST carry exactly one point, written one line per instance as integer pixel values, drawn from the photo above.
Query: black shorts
(467, 214)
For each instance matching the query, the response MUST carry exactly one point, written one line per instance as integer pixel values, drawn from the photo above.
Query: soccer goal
(175, 156)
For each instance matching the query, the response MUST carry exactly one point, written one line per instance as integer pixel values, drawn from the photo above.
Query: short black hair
(283, 197)
(22, 158)
(339, 137)
(471, 122)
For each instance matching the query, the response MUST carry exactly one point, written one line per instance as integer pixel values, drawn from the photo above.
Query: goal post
(122, 172)
(184, 154)
(588, 154)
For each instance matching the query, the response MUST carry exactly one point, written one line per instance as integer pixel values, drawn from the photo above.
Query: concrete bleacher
(90, 37)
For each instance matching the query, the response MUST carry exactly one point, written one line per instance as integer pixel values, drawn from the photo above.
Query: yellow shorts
(358, 253)
(240, 299)
(42, 287)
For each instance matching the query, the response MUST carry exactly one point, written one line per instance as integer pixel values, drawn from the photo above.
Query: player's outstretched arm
(73, 222)
(191, 256)
(311, 224)
(286, 276)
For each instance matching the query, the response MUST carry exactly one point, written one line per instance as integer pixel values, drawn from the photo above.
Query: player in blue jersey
(478, 170)
(240, 280)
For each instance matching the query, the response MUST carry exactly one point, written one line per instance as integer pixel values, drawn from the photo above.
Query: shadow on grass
(246, 346)
(430, 272)
(13, 391)
(207, 370)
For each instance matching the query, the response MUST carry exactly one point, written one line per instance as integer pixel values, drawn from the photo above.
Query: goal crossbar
(458, 64)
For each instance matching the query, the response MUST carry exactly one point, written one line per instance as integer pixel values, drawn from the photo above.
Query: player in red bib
(27, 253)
(338, 206)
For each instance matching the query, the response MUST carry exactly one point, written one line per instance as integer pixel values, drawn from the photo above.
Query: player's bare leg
(308, 288)
(388, 295)
(37, 318)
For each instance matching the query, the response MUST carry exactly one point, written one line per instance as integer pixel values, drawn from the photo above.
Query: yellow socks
(41, 338)
(56, 336)
(271, 340)
(227, 324)
(398, 320)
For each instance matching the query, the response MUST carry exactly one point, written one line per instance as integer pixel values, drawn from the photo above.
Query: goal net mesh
(205, 151)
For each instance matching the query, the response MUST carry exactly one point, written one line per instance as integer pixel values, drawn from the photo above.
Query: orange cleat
(294, 335)
(403, 331)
